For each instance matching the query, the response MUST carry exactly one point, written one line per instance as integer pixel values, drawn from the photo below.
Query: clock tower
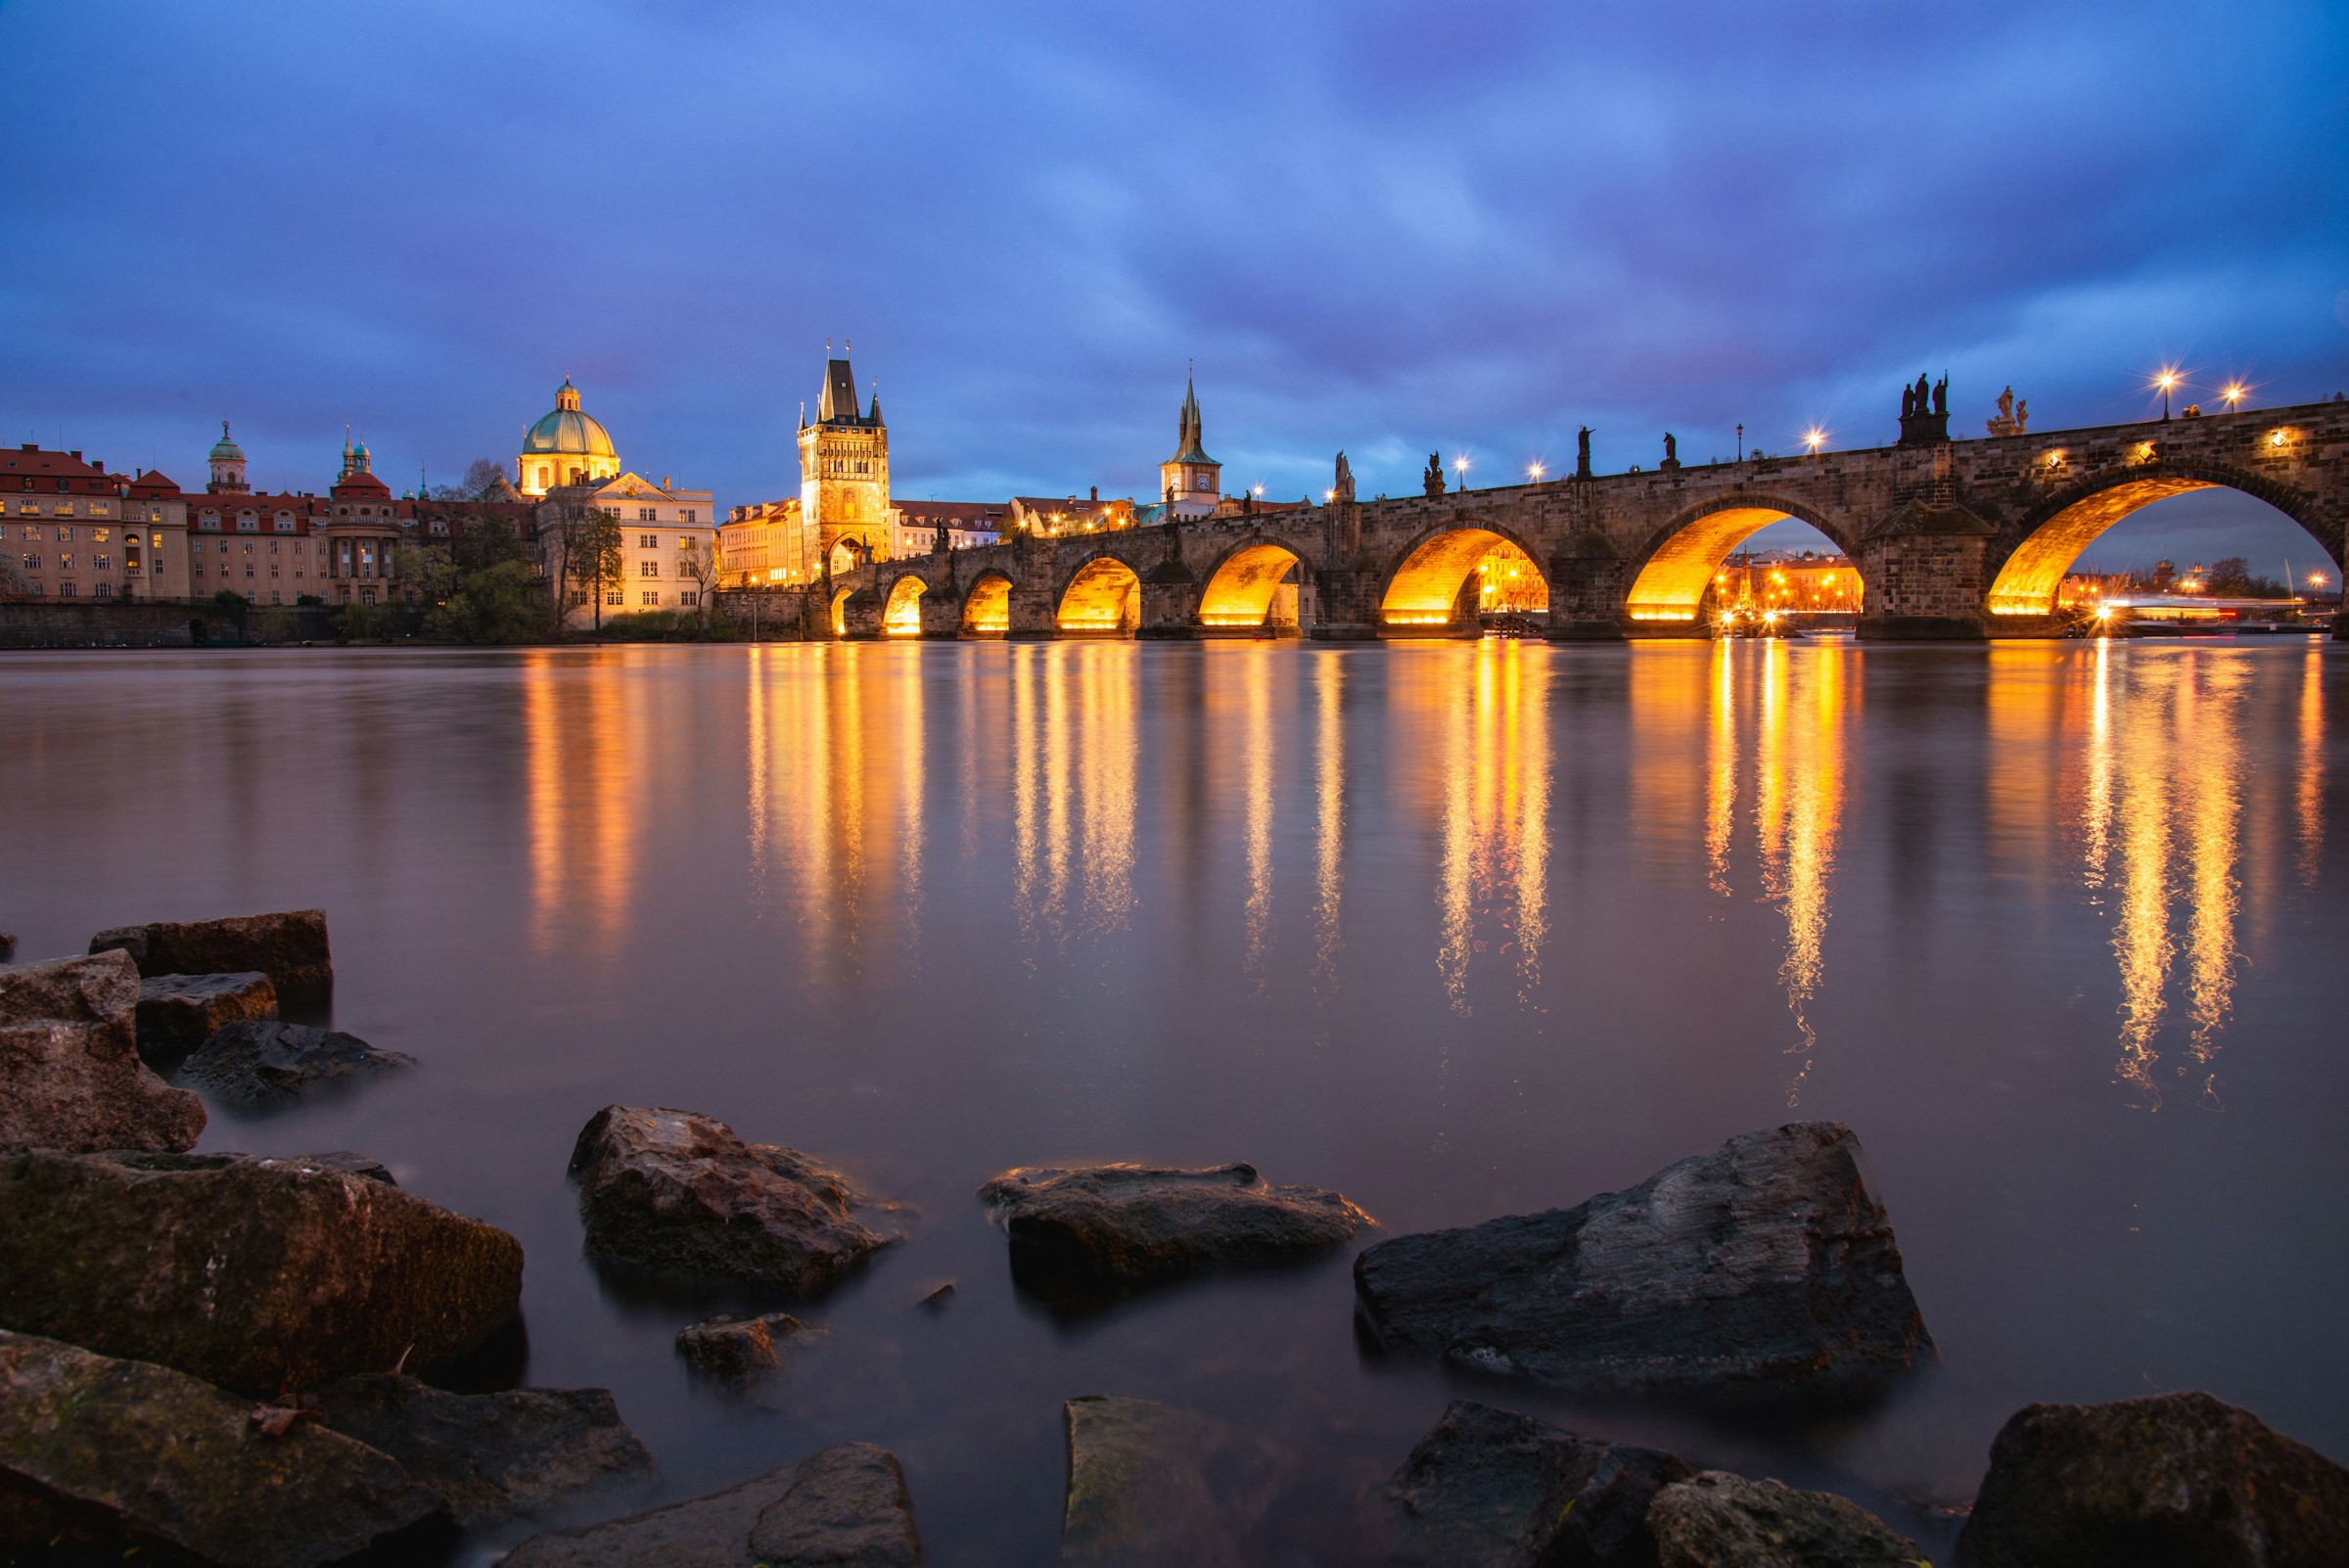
(1191, 480)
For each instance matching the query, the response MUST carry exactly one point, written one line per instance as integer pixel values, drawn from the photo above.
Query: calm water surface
(1461, 930)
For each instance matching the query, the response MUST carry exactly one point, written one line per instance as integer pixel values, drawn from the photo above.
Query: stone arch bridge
(1950, 540)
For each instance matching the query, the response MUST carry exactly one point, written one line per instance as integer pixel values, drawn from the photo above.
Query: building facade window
(615, 598)
(104, 591)
(652, 598)
(648, 568)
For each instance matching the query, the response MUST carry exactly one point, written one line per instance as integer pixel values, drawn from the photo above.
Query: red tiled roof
(30, 462)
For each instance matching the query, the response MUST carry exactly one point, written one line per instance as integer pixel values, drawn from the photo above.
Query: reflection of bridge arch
(1102, 597)
(1243, 589)
(1681, 558)
(2052, 537)
(987, 607)
(902, 615)
(1424, 586)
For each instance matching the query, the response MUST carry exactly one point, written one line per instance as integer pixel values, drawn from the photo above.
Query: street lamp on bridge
(1461, 464)
(2165, 379)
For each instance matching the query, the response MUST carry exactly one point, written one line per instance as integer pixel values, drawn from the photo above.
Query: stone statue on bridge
(1582, 453)
(1432, 480)
(1342, 490)
(1672, 451)
(1941, 395)
(939, 545)
(1907, 402)
(2012, 415)
(1924, 394)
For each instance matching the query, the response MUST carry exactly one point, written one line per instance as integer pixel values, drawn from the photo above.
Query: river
(1459, 929)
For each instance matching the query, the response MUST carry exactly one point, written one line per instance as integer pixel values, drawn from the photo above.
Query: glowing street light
(1461, 464)
(2165, 379)
(1533, 471)
(2235, 392)
(1815, 438)
(2318, 579)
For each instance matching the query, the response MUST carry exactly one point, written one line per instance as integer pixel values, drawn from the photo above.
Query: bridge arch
(1101, 597)
(2050, 539)
(901, 612)
(1679, 560)
(1243, 586)
(987, 606)
(1424, 585)
(839, 612)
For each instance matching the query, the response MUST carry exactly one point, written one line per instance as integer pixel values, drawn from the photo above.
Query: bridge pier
(1924, 574)
(1589, 581)
(860, 616)
(1170, 603)
(1033, 614)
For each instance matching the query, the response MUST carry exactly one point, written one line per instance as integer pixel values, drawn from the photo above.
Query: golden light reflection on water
(1329, 813)
(1494, 806)
(1255, 750)
(584, 739)
(1075, 764)
(2309, 798)
(1798, 802)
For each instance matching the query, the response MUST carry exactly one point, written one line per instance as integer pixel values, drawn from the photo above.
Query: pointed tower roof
(836, 403)
(1187, 447)
(875, 416)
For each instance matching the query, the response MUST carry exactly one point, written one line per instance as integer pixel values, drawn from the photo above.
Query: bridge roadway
(1951, 539)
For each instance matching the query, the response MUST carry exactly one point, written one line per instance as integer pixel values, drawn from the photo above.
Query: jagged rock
(669, 1190)
(263, 1065)
(290, 947)
(1765, 1270)
(2176, 1478)
(1493, 1489)
(841, 1508)
(8, 946)
(70, 1077)
(177, 1013)
(1717, 1520)
(107, 1459)
(1152, 1484)
(1127, 1224)
(493, 1457)
(257, 1274)
(740, 1348)
(358, 1165)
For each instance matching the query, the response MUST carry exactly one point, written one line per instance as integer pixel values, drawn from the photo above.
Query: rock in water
(842, 1507)
(100, 1456)
(261, 1065)
(290, 947)
(70, 1077)
(257, 1274)
(1151, 1486)
(671, 1190)
(1717, 1520)
(1492, 1489)
(740, 1348)
(1764, 1270)
(177, 1013)
(2177, 1478)
(1127, 1224)
(493, 1457)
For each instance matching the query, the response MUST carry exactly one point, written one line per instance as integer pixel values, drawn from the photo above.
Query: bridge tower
(1191, 480)
(844, 474)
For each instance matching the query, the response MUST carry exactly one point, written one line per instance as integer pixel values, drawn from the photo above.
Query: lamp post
(2234, 393)
(2165, 381)
(1462, 465)
(1741, 442)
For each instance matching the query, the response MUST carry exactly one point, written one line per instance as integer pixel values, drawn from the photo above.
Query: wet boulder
(108, 1459)
(1154, 1486)
(2176, 1478)
(1128, 1224)
(674, 1192)
(1765, 1272)
(1717, 1520)
(264, 1065)
(1493, 1489)
(178, 1013)
(70, 1077)
(842, 1507)
(289, 948)
(492, 1456)
(257, 1274)
(740, 1350)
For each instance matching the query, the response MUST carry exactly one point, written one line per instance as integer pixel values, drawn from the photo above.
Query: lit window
(98, 535)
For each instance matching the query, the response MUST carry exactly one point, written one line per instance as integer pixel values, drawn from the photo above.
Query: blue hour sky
(1387, 227)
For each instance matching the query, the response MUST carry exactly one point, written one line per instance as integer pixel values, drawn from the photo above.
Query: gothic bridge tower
(1191, 480)
(843, 472)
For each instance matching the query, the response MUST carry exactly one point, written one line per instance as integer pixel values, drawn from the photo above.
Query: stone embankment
(224, 1358)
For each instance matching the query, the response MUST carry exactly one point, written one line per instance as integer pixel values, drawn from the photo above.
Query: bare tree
(701, 566)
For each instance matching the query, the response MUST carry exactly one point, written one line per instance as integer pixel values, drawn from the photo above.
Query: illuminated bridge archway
(1103, 598)
(1687, 556)
(987, 608)
(840, 611)
(1245, 591)
(2027, 583)
(1427, 587)
(902, 617)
